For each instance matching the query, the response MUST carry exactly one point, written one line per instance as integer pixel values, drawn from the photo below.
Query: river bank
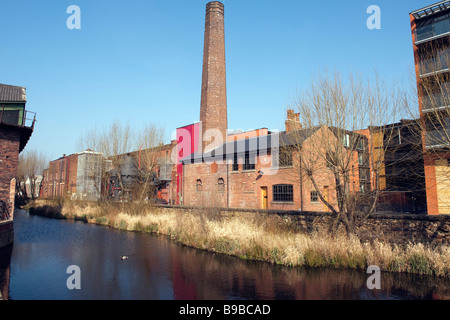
(255, 237)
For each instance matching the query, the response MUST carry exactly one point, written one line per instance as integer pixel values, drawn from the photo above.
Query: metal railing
(435, 102)
(437, 139)
(438, 27)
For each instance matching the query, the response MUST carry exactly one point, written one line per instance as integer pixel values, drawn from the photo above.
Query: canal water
(159, 269)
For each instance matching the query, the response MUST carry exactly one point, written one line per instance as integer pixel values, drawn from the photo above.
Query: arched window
(220, 185)
(198, 185)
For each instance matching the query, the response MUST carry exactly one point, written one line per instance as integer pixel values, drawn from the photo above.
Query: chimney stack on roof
(293, 121)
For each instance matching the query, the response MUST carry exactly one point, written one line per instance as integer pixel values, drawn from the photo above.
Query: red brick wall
(72, 170)
(57, 177)
(243, 189)
(61, 177)
(209, 195)
(9, 159)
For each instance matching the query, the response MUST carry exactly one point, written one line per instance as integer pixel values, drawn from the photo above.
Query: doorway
(264, 198)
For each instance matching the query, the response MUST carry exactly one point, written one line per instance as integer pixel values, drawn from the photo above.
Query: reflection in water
(5, 269)
(201, 275)
(158, 268)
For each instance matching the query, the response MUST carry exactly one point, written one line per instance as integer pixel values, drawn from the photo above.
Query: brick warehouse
(259, 169)
(244, 170)
(76, 176)
(247, 171)
(15, 131)
(79, 176)
(257, 173)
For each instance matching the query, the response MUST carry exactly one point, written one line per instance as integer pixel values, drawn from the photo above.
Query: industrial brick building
(16, 127)
(430, 28)
(152, 169)
(263, 172)
(257, 169)
(210, 165)
(88, 175)
(77, 176)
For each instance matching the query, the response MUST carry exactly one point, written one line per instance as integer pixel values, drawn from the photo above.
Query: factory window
(314, 196)
(198, 185)
(249, 162)
(235, 166)
(221, 185)
(283, 193)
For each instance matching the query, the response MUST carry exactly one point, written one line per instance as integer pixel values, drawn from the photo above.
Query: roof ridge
(10, 93)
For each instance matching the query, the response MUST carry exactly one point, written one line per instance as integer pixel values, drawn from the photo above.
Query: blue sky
(140, 61)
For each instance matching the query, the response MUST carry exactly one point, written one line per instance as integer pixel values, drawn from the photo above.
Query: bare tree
(125, 148)
(113, 142)
(342, 155)
(151, 159)
(31, 165)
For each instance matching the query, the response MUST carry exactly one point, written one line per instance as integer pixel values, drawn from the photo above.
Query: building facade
(77, 176)
(258, 169)
(263, 170)
(430, 27)
(16, 127)
(397, 167)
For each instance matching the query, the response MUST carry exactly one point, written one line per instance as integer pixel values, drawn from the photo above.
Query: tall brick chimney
(213, 106)
(292, 123)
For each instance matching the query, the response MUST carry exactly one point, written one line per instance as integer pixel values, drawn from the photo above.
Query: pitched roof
(253, 145)
(12, 93)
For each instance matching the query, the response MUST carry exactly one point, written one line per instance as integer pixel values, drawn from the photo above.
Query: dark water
(159, 269)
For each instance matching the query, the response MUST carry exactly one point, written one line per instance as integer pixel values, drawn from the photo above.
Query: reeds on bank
(268, 238)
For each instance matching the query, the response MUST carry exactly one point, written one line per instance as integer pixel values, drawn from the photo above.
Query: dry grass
(267, 238)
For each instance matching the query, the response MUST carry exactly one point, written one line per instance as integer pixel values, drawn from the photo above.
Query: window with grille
(283, 193)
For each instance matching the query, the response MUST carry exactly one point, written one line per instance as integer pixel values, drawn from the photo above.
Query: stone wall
(392, 228)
